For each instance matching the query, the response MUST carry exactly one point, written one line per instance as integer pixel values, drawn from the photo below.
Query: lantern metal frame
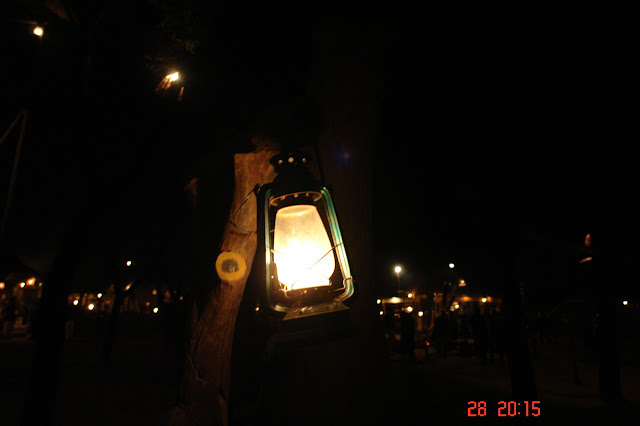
(295, 185)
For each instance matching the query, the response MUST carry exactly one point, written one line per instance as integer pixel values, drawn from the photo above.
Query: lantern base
(305, 325)
(313, 310)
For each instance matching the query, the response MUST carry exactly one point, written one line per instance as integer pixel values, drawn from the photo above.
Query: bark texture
(206, 380)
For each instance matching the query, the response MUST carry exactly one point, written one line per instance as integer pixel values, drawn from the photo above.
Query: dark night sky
(474, 101)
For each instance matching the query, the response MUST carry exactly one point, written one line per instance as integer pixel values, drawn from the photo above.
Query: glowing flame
(302, 250)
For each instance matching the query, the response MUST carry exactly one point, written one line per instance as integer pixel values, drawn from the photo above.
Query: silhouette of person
(407, 335)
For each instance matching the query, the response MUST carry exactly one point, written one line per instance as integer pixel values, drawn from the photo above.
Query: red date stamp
(505, 409)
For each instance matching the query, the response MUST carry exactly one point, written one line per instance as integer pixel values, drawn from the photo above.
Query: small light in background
(165, 84)
(451, 265)
(257, 308)
(381, 313)
(99, 295)
(91, 306)
(129, 263)
(39, 31)
(155, 310)
(378, 301)
(75, 302)
(22, 285)
(484, 300)
(31, 281)
(420, 313)
(625, 302)
(410, 295)
(154, 291)
(1, 286)
(409, 309)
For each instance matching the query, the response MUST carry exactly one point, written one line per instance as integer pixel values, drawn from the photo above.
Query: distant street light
(165, 84)
(39, 31)
(91, 306)
(398, 269)
(625, 302)
(129, 263)
(484, 300)
(451, 265)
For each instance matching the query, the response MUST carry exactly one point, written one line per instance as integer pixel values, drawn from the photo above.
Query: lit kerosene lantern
(306, 266)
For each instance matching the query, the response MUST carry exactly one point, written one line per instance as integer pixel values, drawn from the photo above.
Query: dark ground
(433, 390)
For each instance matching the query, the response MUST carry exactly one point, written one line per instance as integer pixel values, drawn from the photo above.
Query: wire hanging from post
(233, 222)
(316, 150)
(14, 170)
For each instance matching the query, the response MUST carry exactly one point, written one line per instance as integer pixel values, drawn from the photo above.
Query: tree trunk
(206, 379)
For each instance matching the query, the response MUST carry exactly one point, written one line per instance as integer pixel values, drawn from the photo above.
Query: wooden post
(206, 380)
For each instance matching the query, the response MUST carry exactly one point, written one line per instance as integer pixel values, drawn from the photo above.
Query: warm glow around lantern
(302, 250)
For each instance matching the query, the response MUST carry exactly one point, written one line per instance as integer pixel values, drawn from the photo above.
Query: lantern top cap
(286, 161)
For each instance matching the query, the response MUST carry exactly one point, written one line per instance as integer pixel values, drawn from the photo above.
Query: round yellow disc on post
(230, 266)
